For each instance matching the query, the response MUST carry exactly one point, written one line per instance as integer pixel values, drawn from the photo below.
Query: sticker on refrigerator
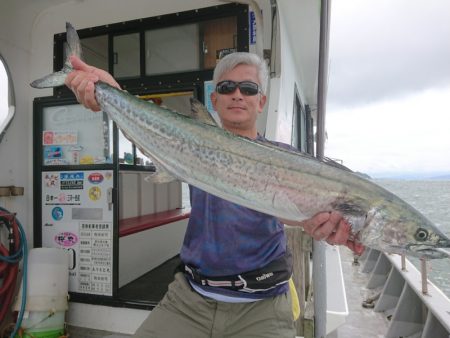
(95, 178)
(52, 152)
(66, 239)
(50, 137)
(95, 193)
(57, 213)
(72, 180)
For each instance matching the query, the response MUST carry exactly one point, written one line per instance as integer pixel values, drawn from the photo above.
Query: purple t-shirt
(224, 238)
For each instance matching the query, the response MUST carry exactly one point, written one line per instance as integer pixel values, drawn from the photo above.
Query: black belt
(277, 272)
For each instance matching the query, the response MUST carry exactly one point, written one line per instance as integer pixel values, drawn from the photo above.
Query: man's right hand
(82, 79)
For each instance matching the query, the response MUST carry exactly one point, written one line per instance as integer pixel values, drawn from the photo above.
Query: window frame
(11, 102)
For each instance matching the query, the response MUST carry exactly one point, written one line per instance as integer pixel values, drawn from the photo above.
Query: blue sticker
(53, 152)
(57, 213)
(252, 25)
(71, 181)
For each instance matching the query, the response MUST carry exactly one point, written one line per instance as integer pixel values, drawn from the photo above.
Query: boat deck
(361, 322)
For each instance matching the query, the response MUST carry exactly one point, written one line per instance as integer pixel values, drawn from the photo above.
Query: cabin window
(126, 55)
(189, 47)
(126, 150)
(302, 126)
(299, 125)
(172, 49)
(95, 51)
(7, 104)
(130, 155)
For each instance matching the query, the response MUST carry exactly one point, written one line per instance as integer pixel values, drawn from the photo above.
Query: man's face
(238, 111)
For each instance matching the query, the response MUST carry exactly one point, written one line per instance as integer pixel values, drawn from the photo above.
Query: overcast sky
(389, 86)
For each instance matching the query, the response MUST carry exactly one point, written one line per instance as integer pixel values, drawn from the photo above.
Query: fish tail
(73, 47)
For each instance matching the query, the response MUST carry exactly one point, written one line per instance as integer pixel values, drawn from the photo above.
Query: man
(234, 278)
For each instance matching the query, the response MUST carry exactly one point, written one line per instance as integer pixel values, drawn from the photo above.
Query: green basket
(43, 334)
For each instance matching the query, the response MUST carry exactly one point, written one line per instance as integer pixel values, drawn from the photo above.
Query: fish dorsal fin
(335, 164)
(200, 113)
(325, 160)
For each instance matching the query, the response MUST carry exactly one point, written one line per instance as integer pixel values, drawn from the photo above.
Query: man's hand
(82, 79)
(331, 227)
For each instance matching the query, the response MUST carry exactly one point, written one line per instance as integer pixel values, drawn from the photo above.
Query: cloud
(389, 86)
(382, 48)
(407, 134)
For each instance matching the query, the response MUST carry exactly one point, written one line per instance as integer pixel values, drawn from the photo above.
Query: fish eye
(421, 235)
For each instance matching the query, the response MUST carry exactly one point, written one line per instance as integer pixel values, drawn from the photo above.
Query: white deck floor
(361, 322)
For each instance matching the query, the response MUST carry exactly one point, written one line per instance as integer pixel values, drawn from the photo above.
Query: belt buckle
(195, 275)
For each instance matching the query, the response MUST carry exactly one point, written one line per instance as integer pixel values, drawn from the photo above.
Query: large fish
(260, 176)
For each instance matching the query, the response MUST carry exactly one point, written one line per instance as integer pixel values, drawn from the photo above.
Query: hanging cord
(9, 266)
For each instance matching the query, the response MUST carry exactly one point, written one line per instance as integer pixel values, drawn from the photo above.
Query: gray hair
(231, 61)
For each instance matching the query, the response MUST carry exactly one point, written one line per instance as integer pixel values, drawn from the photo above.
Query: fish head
(427, 242)
(403, 231)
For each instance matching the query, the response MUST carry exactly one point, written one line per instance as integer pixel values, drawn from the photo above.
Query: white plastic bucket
(47, 292)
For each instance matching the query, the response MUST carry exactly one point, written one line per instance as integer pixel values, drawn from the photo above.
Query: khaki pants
(183, 313)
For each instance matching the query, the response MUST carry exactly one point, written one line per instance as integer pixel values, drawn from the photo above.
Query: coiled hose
(9, 266)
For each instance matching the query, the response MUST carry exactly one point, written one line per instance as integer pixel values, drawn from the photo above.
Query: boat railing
(413, 305)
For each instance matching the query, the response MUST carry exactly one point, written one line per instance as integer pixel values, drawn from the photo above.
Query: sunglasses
(247, 88)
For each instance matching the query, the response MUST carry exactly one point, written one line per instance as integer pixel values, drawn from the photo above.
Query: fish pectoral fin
(160, 175)
(200, 113)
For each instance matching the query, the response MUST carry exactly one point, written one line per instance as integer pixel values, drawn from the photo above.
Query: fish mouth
(435, 250)
(443, 243)
(430, 252)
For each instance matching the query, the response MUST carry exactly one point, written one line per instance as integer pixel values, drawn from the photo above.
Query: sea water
(432, 199)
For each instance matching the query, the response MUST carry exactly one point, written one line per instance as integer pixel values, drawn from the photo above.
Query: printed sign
(221, 53)
(77, 218)
(72, 180)
(59, 137)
